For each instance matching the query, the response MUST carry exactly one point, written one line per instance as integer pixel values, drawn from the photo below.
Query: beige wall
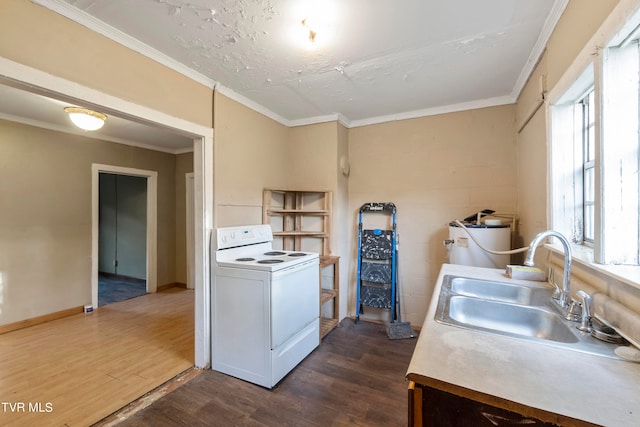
(342, 217)
(532, 166)
(311, 166)
(35, 36)
(250, 155)
(435, 169)
(184, 165)
(45, 226)
(313, 157)
(580, 20)
(316, 152)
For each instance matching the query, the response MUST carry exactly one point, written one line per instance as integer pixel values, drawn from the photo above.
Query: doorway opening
(122, 242)
(124, 222)
(43, 83)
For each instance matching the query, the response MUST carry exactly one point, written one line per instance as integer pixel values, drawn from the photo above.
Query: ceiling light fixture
(316, 22)
(86, 119)
(312, 33)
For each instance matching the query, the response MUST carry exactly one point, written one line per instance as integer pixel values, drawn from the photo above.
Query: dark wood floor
(355, 378)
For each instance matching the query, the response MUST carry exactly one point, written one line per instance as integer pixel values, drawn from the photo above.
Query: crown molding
(453, 108)
(68, 11)
(541, 44)
(88, 21)
(337, 117)
(230, 93)
(346, 122)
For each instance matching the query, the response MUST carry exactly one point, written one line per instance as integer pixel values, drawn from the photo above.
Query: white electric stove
(251, 247)
(265, 305)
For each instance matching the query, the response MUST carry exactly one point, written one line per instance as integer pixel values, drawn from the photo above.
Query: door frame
(152, 223)
(38, 81)
(190, 227)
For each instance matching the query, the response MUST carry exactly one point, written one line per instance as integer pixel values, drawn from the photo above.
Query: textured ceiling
(372, 60)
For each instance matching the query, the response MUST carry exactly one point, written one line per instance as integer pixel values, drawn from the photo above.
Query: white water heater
(463, 250)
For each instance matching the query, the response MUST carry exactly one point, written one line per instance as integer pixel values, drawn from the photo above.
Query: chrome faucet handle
(557, 292)
(585, 320)
(552, 281)
(574, 311)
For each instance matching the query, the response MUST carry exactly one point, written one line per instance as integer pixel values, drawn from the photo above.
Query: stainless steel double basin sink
(515, 310)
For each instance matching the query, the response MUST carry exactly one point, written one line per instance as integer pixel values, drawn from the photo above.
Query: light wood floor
(77, 370)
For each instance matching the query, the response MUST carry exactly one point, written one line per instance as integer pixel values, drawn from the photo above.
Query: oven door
(295, 300)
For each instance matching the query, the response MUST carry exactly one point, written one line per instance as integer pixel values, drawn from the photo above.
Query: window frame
(588, 164)
(620, 27)
(614, 140)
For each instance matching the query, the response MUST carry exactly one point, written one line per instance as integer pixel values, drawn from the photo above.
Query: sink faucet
(565, 296)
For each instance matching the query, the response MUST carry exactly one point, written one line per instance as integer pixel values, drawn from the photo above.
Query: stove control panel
(231, 237)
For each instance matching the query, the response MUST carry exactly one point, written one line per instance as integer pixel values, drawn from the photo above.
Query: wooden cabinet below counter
(430, 406)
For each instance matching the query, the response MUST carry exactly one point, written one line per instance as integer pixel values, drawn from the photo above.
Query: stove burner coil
(245, 259)
(273, 253)
(297, 254)
(270, 261)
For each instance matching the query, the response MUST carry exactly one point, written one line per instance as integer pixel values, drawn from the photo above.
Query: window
(595, 157)
(572, 142)
(587, 116)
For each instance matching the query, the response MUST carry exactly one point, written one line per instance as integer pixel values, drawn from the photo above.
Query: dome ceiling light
(86, 119)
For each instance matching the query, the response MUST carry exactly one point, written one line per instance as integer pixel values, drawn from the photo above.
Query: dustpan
(398, 330)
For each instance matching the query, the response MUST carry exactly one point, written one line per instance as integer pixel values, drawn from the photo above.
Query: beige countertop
(586, 387)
